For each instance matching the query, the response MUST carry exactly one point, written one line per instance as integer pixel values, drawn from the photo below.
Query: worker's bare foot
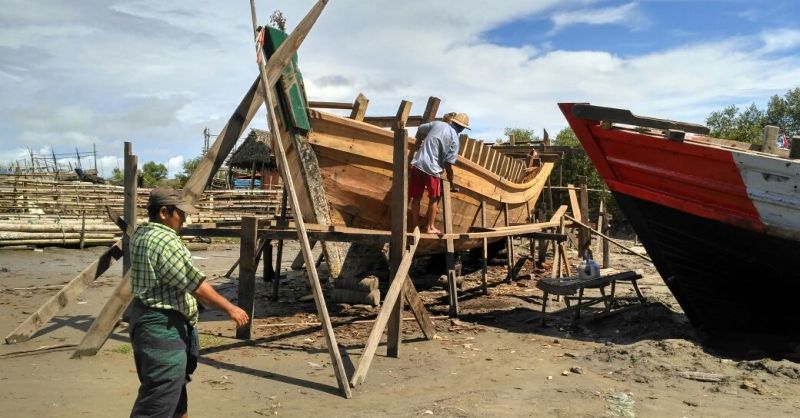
(433, 230)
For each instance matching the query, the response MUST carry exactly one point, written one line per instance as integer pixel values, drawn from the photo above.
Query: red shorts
(419, 181)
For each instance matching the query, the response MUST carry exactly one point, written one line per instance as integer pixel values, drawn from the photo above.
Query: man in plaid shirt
(166, 286)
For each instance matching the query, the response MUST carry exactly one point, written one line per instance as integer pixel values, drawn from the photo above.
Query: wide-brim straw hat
(460, 119)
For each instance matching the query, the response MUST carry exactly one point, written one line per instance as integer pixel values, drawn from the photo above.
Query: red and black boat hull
(721, 224)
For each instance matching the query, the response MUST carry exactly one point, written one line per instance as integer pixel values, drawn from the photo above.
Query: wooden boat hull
(355, 161)
(722, 225)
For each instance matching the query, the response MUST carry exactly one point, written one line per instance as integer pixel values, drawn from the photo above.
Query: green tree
(574, 164)
(153, 173)
(731, 123)
(748, 125)
(117, 177)
(189, 166)
(784, 112)
(521, 135)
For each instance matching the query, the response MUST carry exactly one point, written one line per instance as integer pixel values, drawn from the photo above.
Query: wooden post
(450, 258)
(359, 107)
(585, 238)
(316, 289)
(55, 165)
(399, 222)
(266, 256)
(556, 268)
(769, 139)
(543, 243)
(247, 272)
(549, 207)
(83, 228)
(509, 247)
(431, 109)
(794, 151)
(253, 176)
(485, 253)
(129, 210)
(278, 257)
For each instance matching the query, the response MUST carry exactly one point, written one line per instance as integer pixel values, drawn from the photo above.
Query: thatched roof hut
(254, 149)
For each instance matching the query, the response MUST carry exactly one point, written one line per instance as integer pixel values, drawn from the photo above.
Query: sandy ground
(495, 360)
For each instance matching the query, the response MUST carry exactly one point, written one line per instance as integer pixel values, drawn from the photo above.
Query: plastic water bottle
(588, 268)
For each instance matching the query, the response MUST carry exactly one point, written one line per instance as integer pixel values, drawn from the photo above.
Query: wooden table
(568, 286)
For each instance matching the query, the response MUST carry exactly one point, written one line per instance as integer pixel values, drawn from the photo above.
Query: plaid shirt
(163, 275)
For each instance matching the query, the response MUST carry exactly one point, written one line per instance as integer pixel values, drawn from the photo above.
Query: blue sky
(633, 28)
(98, 72)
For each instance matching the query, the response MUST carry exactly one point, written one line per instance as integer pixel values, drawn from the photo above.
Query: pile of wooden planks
(41, 211)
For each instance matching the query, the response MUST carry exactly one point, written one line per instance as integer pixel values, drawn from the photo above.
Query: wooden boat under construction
(720, 219)
(351, 159)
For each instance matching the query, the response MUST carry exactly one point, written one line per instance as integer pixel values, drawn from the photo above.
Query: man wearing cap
(166, 286)
(436, 155)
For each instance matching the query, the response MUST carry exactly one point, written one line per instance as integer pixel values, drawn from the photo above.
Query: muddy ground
(495, 360)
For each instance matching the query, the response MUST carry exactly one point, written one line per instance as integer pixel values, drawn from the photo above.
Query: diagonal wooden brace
(391, 298)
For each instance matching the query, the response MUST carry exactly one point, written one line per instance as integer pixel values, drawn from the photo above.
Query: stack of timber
(41, 211)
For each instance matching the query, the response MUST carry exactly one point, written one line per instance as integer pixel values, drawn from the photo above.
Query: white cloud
(175, 165)
(626, 15)
(157, 73)
(780, 40)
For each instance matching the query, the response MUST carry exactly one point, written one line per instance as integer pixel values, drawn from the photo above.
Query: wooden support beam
(473, 152)
(557, 253)
(485, 253)
(462, 145)
(283, 165)
(101, 328)
(106, 320)
(479, 152)
(574, 206)
(421, 314)
(388, 121)
(130, 162)
(431, 108)
(559, 213)
(509, 247)
(67, 294)
(247, 272)
(397, 283)
(503, 167)
(279, 256)
(496, 163)
(469, 143)
(359, 107)
(484, 156)
(399, 223)
(452, 280)
(584, 238)
(330, 105)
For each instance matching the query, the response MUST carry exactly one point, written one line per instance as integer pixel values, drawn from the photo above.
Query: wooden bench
(568, 286)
